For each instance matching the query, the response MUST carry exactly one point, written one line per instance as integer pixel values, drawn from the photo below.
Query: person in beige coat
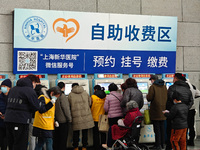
(82, 120)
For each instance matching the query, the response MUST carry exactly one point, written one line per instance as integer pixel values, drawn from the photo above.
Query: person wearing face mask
(64, 118)
(43, 124)
(21, 104)
(5, 88)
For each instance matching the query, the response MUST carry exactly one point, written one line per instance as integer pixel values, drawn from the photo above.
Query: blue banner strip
(54, 61)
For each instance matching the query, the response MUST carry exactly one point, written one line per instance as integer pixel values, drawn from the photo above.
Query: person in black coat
(5, 88)
(183, 88)
(22, 103)
(178, 115)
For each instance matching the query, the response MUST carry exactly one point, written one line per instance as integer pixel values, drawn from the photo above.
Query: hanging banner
(53, 42)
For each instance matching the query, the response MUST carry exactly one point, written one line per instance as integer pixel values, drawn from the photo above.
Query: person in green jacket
(157, 95)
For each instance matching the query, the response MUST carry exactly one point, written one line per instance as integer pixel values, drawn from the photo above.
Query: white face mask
(4, 89)
(53, 97)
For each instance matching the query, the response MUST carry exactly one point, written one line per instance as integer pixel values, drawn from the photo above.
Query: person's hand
(2, 116)
(56, 124)
(53, 100)
(165, 111)
(120, 122)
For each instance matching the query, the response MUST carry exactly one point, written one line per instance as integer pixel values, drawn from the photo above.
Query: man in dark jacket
(5, 88)
(22, 102)
(183, 88)
(157, 95)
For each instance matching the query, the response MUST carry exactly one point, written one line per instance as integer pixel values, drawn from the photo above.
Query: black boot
(190, 143)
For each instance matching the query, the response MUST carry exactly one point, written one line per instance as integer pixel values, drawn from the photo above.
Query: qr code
(27, 61)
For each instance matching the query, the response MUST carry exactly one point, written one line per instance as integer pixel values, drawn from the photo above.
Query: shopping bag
(147, 117)
(103, 124)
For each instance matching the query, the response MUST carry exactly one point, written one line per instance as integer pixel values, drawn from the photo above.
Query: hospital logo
(35, 29)
(66, 29)
(149, 129)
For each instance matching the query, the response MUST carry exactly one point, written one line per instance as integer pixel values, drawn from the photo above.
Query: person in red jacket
(116, 132)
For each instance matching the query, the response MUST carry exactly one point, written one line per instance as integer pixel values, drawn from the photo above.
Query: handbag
(103, 124)
(147, 117)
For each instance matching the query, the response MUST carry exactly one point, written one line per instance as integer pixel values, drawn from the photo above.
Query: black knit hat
(7, 83)
(176, 95)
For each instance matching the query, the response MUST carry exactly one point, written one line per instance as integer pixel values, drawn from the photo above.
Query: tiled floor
(197, 145)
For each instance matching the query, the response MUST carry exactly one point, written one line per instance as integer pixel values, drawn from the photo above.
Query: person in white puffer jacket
(191, 115)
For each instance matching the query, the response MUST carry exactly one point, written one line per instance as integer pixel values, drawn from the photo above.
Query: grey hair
(131, 104)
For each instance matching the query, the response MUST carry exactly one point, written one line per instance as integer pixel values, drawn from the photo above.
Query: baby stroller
(130, 140)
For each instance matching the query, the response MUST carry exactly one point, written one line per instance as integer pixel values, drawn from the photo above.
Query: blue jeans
(42, 141)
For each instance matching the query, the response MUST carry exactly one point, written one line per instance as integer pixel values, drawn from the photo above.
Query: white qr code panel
(27, 61)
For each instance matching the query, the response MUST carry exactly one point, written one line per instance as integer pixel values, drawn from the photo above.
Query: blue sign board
(55, 42)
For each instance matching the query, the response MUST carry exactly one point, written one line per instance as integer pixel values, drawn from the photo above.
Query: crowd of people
(33, 117)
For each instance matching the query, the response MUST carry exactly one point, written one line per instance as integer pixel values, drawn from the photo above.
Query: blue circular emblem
(149, 128)
(35, 29)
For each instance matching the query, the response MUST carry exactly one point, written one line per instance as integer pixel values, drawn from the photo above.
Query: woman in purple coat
(112, 104)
